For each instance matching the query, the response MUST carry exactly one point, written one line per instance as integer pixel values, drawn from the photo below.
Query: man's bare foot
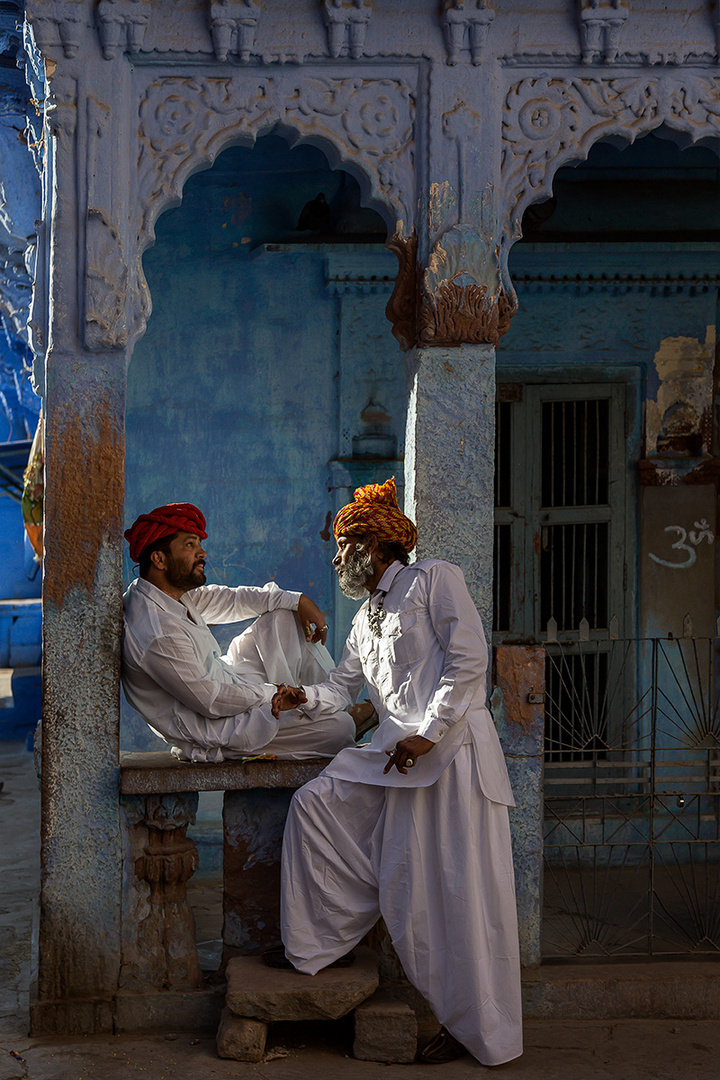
(365, 718)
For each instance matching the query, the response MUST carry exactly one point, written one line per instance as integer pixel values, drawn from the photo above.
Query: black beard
(355, 573)
(180, 578)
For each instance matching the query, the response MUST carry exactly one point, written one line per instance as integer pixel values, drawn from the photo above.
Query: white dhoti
(274, 650)
(435, 862)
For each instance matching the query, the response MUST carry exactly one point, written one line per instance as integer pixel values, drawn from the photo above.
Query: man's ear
(371, 543)
(158, 559)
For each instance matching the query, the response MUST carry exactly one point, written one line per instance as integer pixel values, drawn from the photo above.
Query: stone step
(263, 993)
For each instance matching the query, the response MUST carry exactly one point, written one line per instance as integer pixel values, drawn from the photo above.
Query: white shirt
(172, 670)
(426, 675)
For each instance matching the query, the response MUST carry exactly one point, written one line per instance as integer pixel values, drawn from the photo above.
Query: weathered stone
(271, 994)
(253, 824)
(169, 1010)
(241, 1038)
(385, 1030)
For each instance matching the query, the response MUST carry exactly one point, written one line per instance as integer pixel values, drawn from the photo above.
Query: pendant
(375, 618)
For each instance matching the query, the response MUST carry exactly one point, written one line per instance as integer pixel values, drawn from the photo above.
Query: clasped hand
(287, 697)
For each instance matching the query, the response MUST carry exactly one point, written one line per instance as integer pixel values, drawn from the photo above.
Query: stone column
(82, 326)
(449, 461)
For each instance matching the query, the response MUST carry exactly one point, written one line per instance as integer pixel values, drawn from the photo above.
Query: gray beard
(356, 572)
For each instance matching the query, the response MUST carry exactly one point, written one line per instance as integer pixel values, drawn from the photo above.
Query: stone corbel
(162, 952)
(233, 24)
(57, 23)
(601, 23)
(346, 26)
(466, 28)
(122, 25)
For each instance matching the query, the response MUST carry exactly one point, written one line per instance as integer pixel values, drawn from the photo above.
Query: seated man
(207, 706)
(413, 827)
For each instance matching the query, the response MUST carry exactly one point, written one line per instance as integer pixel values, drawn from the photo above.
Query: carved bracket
(122, 25)
(601, 24)
(453, 312)
(466, 28)
(233, 24)
(56, 23)
(346, 25)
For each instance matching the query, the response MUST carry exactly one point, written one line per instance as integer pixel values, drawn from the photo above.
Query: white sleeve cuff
(312, 698)
(434, 730)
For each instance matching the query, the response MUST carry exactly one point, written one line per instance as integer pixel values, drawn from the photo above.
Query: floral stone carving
(550, 121)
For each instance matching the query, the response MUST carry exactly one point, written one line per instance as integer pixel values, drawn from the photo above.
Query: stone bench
(159, 796)
(161, 985)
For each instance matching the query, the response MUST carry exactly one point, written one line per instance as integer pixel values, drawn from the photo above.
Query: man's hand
(406, 753)
(312, 620)
(287, 697)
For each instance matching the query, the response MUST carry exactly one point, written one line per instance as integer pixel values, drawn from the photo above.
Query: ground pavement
(555, 1050)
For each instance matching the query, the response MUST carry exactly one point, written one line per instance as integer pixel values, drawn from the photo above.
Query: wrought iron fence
(632, 799)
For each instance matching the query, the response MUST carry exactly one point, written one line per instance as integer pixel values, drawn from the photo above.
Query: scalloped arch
(364, 125)
(549, 122)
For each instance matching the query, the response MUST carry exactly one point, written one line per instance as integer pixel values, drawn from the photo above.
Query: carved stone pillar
(82, 327)
(159, 950)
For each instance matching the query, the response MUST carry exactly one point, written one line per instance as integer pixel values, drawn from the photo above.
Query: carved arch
(550, 121)
(365, 125)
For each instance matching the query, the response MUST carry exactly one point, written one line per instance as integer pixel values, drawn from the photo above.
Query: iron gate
(632, 799)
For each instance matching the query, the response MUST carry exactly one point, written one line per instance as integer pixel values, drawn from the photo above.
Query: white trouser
(274, 650)
(436, 863)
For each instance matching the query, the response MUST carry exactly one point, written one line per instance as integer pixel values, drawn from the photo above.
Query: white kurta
(429, 851)
(211, 707)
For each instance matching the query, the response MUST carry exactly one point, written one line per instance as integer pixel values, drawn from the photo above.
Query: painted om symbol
(704, 532)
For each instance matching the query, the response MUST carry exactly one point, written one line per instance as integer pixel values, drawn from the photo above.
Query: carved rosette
(550, 121)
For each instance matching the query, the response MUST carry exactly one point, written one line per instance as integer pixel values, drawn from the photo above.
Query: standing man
(207, 706)
(414, 826)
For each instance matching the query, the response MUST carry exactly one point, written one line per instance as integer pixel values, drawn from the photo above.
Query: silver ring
(410, 762)
(324, 628)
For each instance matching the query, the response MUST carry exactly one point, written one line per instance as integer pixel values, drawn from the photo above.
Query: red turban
(161, 522)
(375, 510)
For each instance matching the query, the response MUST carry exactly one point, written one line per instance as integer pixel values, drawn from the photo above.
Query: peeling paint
(678, 415)
(84, 474)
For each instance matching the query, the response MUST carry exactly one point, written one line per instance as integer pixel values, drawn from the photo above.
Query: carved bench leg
(159, 939)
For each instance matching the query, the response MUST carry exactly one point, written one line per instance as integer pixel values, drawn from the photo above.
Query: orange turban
(161, 522)
(375, 510)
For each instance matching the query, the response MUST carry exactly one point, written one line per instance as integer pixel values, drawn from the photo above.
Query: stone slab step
(268, 994)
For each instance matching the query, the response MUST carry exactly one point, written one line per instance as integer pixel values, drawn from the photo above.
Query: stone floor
(555, 1049)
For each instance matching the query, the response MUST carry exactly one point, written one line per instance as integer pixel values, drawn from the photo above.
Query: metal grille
(632, 783)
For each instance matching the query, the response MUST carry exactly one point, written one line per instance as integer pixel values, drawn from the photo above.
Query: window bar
(597, 453)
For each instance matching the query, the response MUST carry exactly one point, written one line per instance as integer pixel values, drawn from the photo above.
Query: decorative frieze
(466, 27)
(601, 24)
(346, 25)
(122, 25)
(233, 24)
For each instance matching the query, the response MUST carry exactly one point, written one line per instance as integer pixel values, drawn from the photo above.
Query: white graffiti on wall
(704, 532)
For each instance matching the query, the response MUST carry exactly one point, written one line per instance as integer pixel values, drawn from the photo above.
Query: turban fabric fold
(161, 522)
(375, 510)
